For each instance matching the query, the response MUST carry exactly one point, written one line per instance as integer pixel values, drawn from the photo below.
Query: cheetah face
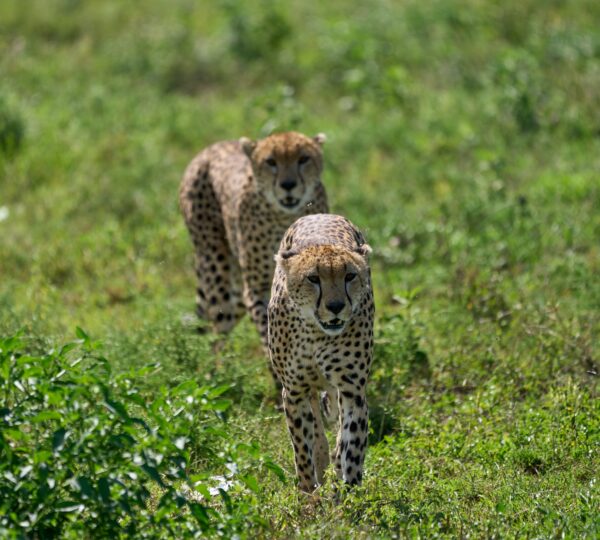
(287, 168)
(327, 283)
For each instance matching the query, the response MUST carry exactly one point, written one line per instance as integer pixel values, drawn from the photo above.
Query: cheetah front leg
(300, 422)
(352, 435)
(321, 447)
(217, 293)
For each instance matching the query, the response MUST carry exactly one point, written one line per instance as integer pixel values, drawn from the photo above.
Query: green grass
(463, 138)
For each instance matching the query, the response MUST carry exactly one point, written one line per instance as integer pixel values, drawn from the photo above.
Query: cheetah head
(287, 167)
(327, 283)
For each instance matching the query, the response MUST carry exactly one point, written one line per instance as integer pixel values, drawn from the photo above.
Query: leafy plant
(83, 452)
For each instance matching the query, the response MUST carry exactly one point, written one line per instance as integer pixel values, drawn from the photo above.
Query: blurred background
(462, 134)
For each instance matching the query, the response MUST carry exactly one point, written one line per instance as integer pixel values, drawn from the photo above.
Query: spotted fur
(238, 198)
(321, 339)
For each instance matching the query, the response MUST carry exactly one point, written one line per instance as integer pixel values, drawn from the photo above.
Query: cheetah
(238, 198)
(321, 339)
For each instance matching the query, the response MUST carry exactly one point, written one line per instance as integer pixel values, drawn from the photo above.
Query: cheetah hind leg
(217, 270)
(217, 298)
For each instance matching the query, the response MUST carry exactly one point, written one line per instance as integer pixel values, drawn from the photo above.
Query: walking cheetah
(238, 198)
(321, 338)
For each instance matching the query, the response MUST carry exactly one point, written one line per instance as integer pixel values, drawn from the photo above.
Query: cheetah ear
(248, 146)
(320, 138)
(364, 250)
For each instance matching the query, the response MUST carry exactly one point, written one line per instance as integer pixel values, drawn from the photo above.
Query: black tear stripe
(301, 177)
(348, 296)
(320, 292)
(346, 287)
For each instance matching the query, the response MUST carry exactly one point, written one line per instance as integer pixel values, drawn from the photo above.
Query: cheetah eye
(350, 277)
(314, 279)
(303, 160)
(271, 162)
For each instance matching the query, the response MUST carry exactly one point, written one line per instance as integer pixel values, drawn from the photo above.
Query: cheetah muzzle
(290, 202)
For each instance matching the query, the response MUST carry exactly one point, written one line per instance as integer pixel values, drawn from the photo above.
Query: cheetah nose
(289, 184)
(335, 306)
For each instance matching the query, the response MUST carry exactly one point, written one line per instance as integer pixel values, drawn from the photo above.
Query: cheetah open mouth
(289, 202)
(333, 325)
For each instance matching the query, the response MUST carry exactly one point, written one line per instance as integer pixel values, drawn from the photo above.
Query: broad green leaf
(217, 431)
(85, 487)
(137, 399)
(25, 471)
(273, 467)
(81, 334)
(250, 482)
(45, 415)
(12, 343)
(146, 370)
(217, 391)
(41, 456)
(218, 405)
(58, 439)
(184, 388)
(104, 490)
(153, 473)
(14, 434)
(69, 506)
(226, 499)
(125, 506)
(199, 512)
(67, 348)
(203, 490)
(116, 407)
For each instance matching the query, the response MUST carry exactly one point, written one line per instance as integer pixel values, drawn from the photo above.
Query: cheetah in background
(238, 198)
(321, 338)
